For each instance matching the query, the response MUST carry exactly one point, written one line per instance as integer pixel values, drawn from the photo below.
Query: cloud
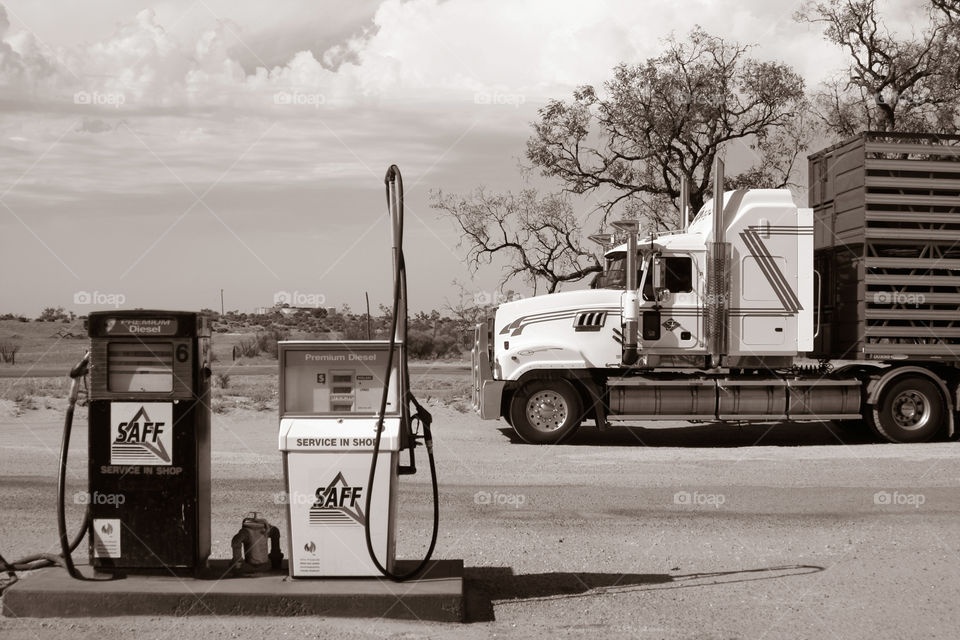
(107, 140)
(412, 53)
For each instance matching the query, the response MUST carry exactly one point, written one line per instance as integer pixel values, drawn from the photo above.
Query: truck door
(675, 323)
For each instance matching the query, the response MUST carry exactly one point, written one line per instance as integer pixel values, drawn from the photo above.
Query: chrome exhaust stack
(718, 276)
(630, 302)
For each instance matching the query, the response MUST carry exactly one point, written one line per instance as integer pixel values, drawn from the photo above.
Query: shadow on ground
(485, 586)
(719, 434)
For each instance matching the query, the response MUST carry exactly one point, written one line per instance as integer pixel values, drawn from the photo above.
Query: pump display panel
(336, 378)
(140, 366)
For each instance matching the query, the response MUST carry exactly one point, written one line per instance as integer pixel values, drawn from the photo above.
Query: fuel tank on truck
(568, 330)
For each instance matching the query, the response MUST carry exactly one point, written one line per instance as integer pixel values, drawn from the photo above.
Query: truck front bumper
(487, 392)
(490, 395)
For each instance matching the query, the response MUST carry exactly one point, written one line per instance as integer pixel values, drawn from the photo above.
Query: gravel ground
(702, 531)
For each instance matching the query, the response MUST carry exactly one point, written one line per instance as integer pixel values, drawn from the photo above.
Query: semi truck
(761, 310)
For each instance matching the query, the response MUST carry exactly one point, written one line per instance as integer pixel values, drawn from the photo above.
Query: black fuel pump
(148, 498)
(149, 441)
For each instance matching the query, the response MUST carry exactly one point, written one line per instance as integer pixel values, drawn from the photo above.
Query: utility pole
(367, 296)
(221, 303)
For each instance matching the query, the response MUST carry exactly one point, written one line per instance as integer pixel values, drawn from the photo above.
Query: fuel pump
(346, 414)
(149, 441)
(148, 498)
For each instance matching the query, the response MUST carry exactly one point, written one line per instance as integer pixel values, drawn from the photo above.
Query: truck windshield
(615, 276)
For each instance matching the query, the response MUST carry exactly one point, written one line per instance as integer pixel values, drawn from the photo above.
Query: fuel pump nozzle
(398, 336)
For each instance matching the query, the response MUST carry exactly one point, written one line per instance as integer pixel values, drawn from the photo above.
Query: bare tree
(892, 83)
(630, 144)
(950, 9)
(539, 238)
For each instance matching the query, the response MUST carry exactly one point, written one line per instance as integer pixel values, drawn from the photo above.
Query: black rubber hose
(41, 560)
(67, 547)
(76, 374)
(406, 398)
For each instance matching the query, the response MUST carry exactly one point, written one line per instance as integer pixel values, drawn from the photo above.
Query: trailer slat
(905, 300)
(914, 200)
(908, 280)
(902, 332)
(920, 149)
(926, 217)
(909, 182)
(881, 233)
(912, 314)
(932, 166)
(913, 263)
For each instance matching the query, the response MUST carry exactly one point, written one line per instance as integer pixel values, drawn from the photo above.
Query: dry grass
(230, 392)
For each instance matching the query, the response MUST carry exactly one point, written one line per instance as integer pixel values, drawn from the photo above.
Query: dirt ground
(703, 531)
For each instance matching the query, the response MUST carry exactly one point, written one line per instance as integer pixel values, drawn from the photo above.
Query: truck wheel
(546, 411)
(910, 410)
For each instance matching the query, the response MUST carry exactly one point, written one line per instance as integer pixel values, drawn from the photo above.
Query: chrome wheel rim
(547, 410)
(911, 410)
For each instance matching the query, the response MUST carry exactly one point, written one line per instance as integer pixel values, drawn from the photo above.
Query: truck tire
(910, 409)
(546, 411)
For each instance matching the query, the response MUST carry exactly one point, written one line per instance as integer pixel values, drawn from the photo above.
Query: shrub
(267, 341)
(248, 347)
(445, 345)
(8, 352)
(419, 344)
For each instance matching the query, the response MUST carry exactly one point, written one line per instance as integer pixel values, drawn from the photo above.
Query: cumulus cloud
(412, 52)
(108, 141)
(25, 67)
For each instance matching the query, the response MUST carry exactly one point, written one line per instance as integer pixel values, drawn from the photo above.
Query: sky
(154, 153)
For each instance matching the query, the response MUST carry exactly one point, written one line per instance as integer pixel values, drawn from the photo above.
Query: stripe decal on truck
(758, 249)
(516, 327)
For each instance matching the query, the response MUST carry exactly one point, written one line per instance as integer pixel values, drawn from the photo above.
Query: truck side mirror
(658, 271)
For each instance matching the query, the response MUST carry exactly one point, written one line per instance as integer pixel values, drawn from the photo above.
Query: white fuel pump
(346, 414)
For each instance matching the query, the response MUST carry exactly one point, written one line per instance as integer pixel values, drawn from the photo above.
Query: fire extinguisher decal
(106, 538)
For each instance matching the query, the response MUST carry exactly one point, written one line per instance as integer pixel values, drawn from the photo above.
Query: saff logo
(337, 504)
(142, 433)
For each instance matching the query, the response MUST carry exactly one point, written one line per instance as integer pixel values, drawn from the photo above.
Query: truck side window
(679, 275)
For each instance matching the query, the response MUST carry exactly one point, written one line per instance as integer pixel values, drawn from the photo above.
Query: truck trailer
(758, 310)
